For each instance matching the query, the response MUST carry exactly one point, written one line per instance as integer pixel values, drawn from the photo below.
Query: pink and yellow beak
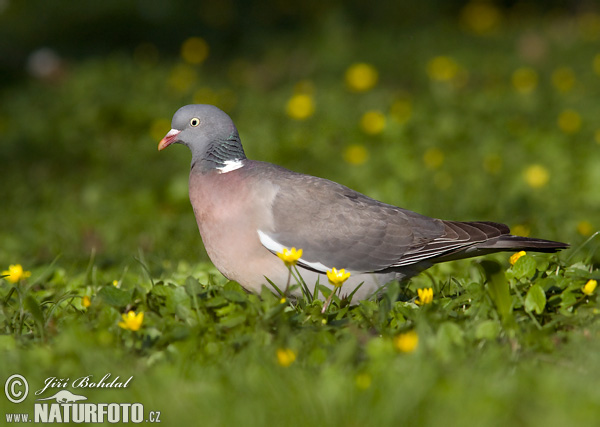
(169, 139)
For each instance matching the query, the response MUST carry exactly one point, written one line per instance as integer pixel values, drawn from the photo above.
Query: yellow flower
(285, 356)
(481, 17)
(585, 228)
(15, 273)
(194, 50)
(515, 257)
(282, 301)
(589, 287)
(363, 381)
(525, 80)
(433, 158)
(442, 68)
(406, 342)
(337, 277)
(300, 106)
(290, 256)
(361, 77)
(86, 301)
(425, 296)
(356, 154)
(132, 321)
(563, 79)
(372, 122)
(569, 121)
(116, 284)
(536, 176)
(520, 230)
(401, 110)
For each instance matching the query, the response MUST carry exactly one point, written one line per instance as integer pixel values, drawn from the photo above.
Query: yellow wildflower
(525, 80)
(356, 154)
(337, 277)
(406, 342)
(585, 228)
(15, 273)
(372, 122)
(520, 230)
(300, 106)
(363, 381)
(425, 296)
(536, 176)
(563, 79)
(116, 284)
(589, 287)
(86, 301)
(442, 68)
(132, 321)
(361, 77)
(433, 158)
(285, 357)
(282, 301)
(569, 121)
(290, 256)
(480, 17)
(194, 50)
(515, 257)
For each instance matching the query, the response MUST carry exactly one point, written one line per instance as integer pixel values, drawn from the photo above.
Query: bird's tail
(509, 242)
(481, 237)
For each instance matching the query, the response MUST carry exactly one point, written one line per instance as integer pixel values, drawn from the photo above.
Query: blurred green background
(464, 110)
(475, 110)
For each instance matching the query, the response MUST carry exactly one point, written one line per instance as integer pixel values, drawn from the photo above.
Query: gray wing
(339, 227)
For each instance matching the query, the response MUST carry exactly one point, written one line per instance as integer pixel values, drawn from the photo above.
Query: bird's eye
(195, 122)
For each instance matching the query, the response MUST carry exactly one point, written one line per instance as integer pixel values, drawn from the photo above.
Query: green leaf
(498, 289)
(114, 296)
(232, 320)
(525, 267)
(193, 286)
(535, 299)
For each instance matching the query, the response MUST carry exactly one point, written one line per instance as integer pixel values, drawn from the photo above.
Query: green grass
(87, 200)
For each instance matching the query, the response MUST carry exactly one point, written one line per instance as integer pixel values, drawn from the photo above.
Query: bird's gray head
(210, 135)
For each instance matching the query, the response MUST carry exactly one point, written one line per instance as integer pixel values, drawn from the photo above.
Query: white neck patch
(231, 165)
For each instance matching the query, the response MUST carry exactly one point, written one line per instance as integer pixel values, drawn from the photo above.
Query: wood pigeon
(247, 211)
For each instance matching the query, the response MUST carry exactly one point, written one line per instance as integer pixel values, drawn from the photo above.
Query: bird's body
(247, 211)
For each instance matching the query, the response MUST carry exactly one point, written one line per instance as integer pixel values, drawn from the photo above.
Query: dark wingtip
(518, 243)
